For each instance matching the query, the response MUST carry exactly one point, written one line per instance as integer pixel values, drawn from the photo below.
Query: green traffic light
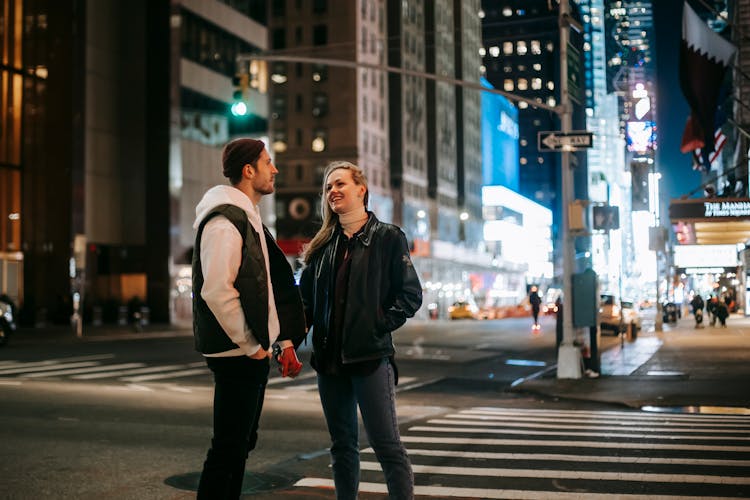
(239, 109)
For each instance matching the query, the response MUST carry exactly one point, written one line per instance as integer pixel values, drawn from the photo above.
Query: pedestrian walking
(358, 286)
(722, 312)
(536, 301)
(711, 309)
(245, 300)
(697, 305)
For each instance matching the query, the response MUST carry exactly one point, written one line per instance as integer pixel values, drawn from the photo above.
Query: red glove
(289, 364)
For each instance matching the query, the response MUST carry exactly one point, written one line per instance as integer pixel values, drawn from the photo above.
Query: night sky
(678, 176)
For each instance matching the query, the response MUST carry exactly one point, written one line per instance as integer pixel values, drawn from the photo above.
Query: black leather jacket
(384, 291)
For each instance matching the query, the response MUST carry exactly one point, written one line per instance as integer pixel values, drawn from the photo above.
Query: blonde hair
(331, 218)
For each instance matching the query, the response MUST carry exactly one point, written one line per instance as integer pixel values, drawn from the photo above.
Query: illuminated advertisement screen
(640, 136)
(499, 140)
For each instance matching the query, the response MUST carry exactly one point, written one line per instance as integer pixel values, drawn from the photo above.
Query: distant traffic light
(240, 95)
(606, 217)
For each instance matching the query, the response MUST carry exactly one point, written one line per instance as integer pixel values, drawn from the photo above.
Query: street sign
(559, 141)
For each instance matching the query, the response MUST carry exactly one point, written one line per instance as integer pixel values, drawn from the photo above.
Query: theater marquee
(709, 209)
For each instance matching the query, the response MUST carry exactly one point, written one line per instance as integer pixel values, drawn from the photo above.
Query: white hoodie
(221, 255)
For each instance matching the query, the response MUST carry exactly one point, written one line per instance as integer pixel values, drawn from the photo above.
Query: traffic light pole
(568, 355)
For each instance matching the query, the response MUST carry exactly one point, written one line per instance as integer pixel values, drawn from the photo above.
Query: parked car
(616, 317)
(462, 310)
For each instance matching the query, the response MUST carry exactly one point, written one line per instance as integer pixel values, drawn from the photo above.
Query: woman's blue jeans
(375, 396)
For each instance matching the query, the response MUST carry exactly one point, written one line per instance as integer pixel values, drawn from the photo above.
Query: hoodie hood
(225, 195)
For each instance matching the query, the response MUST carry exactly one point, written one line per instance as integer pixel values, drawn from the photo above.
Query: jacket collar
(367, 232)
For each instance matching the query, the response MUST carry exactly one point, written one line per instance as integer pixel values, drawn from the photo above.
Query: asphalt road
(126, 419)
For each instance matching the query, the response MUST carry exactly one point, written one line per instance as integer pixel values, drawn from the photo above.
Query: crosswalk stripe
(589, 420)
(26, 369)
(500, 494)
(627, 414)
(567, 474)
(642, 428)
(134, 371)
(619, 459)
(76, 371)
(481, 430)
(570, 443)
(161, 376)
(286, 380)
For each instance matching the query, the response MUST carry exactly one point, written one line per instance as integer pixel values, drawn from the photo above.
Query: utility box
(585, 300)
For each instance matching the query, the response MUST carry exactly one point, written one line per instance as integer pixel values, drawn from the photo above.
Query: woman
(358, 286)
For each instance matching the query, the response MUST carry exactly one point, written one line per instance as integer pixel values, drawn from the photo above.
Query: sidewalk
(679, 367)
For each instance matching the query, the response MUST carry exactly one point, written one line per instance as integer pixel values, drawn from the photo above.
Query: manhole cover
(252, 483)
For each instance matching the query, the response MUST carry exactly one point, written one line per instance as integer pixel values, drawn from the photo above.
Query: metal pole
(568, 356)
(658, 321)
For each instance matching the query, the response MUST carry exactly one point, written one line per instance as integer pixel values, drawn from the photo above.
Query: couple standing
(358, 285)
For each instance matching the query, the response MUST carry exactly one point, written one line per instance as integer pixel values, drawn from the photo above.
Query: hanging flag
(704, 59)
(705, 162)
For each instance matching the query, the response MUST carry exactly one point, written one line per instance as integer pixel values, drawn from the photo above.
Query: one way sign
(559, 141)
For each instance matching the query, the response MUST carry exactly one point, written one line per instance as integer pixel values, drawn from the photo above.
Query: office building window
(278, 38)
(278, 8)
(320, 6)
(320, 137)
(320, 104)
(320, 34)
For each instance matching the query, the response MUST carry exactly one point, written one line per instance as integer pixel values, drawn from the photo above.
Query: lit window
(507, 11)
(523, 161)
(536, 47)
(521, 48)
(508, 85)
(524, 142)
(550, 47)
(551, 101)
(551, 85)
(523, 84)
(319, 141)
(507, 48)
(523, 104)
(495, 51)
(537, 67)
(540, 160)
(536, 83)
(482, 51)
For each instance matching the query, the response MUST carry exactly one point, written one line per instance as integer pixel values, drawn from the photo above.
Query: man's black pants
(240, 385)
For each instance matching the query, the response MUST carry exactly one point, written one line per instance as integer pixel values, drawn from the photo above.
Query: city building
(113, 117)
(417, 138)
(521, 56)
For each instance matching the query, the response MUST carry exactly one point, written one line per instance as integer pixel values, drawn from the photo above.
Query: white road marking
(599, 421)
(499, 494)
(286, 380)
(608, 435)
(535, 425)
(135, 371)
(25, 369)
(571, 443)
(90, 369)
(619, 459)
(161, 376)
(627, 414)
(568, 474)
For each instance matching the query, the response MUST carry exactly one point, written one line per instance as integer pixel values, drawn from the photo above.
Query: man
(536, 301)
(244, 301)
